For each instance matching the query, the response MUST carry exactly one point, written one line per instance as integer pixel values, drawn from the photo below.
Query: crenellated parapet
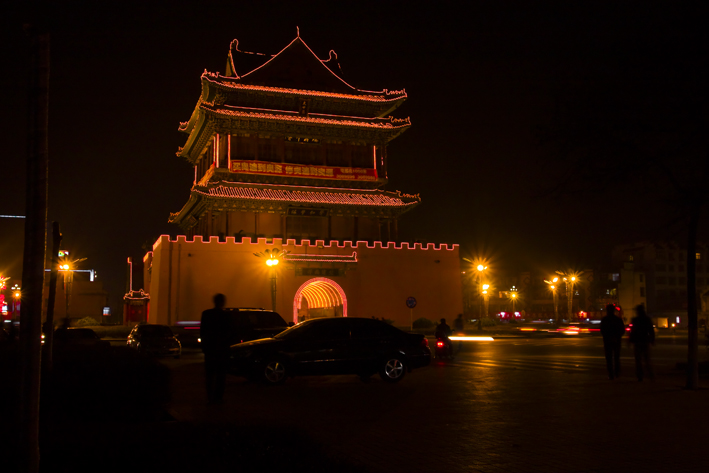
(291, 244)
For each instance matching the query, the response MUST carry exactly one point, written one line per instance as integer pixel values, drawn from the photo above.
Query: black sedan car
(332, 346)
(154, 339)
(248, 324)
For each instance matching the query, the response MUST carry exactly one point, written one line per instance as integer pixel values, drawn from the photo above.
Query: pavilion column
(388, 230)
(356, 228)
(209, 223)
(395, 225)
(256, 225)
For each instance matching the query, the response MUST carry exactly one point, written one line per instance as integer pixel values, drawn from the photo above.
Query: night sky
(482, 79)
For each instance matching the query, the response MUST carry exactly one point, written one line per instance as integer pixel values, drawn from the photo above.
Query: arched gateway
(323, 298)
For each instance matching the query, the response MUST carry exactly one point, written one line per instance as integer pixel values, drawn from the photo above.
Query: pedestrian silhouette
(642, 335)
(214, 332)
(612, 329)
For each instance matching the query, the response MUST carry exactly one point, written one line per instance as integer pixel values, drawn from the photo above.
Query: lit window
(699, 256)
(106, 311)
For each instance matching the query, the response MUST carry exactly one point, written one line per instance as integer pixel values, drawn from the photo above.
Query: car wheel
(274, 372)
(393, 369)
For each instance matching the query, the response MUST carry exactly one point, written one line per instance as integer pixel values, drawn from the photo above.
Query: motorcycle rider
(443, 331)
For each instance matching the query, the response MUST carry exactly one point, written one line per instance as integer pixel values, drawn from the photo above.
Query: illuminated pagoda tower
(290, 159)
(283, 147)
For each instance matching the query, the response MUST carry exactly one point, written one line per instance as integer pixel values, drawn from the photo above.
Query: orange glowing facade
(287, 154)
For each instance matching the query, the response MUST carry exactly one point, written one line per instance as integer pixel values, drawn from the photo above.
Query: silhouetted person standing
(612, 329)
(642, 335)
(215, 345)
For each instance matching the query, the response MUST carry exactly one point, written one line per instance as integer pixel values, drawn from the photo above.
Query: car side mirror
(290, 324)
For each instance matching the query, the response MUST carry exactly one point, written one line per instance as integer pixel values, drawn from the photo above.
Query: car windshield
(295, 331)
(156, 331)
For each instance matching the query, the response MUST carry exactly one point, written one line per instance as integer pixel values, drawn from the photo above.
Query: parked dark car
(332, 346)
(253, 324)
(154, 339)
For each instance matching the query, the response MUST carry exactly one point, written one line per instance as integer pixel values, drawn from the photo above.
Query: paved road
(511, 405)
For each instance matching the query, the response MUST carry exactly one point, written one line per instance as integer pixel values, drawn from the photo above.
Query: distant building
(658, 270)
(288, 157)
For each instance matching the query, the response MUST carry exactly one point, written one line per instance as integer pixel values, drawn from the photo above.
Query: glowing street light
(273, 257)
(513, 297)
(552, 287)
(68, 268)
(570, 279)
(486, 297)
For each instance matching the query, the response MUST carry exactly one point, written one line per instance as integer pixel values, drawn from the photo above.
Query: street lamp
(68, 268)
(273, 257)
(480, 267)
(552, 287)
(513, 297)
(569, 280)
(486, 297)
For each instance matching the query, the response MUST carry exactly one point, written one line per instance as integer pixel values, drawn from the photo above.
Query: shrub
(423, 323)
(86, 321)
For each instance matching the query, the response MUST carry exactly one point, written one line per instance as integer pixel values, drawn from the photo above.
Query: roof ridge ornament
(297, 32)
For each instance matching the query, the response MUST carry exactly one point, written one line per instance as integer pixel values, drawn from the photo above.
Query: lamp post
(486, 297)
(569, 280)
(513, 298)
(68, 268)
(552, 286)
(273, 257)
(16, 296)
(481, 268)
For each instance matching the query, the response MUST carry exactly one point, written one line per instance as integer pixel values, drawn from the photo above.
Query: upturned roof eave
(315, 119)
(232, 83)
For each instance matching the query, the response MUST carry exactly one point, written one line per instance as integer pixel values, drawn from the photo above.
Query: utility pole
(35, 249)
(49, 333)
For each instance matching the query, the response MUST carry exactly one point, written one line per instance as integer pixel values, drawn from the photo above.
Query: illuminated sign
(300, 139)
(296, 170)
(63, 253)
(307, 212)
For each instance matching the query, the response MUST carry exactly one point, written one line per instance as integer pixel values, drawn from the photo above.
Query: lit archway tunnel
(319, 297)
